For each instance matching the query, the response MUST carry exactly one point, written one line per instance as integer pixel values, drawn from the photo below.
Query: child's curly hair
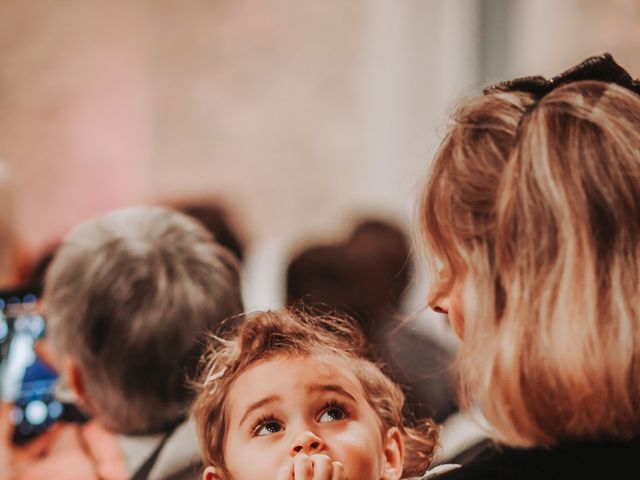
(289, 333)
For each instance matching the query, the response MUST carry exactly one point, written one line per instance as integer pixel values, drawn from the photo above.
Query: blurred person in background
(33, 276)
(531, 216)
(9, 251)
(129, 298)
(365, 276)
(216, 217)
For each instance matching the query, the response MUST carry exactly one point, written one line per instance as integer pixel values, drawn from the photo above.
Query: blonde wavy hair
(534, 207)
(289, 333)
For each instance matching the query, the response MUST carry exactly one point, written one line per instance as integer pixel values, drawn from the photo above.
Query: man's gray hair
(129, 296)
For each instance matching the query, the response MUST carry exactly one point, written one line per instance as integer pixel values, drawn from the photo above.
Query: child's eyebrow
(258, 404)
(332, 388)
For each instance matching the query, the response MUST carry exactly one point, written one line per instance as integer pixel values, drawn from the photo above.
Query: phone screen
(25, 380)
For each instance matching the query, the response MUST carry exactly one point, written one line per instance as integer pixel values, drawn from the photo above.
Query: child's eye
(332, 413)
(268, 427)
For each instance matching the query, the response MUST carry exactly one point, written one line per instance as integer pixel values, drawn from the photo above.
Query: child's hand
(314, 467)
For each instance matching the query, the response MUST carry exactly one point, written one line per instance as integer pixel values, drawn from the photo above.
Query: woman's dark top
(584, 461)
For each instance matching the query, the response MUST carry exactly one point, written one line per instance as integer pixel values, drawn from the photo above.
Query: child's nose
(306, 442)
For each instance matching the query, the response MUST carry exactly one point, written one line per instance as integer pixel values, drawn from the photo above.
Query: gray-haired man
(129, 298)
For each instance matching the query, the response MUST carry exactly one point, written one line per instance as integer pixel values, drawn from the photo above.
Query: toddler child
(293, 396)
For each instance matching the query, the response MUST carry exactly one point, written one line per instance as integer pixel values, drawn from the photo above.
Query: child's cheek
(361, 457)
(255, 459)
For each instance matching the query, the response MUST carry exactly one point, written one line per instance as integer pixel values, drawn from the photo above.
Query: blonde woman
(531, 217)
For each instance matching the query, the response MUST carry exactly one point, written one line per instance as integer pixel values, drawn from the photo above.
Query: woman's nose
(439, 308)
(306, 442)
(439, 302)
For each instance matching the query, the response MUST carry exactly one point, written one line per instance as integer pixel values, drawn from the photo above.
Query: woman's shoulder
(584, 460)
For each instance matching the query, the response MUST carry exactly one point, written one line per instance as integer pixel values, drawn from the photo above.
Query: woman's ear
(211, 473)
(393, 446)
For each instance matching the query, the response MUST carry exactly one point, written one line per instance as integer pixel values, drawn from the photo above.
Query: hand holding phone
(26, 381)
(12, 456)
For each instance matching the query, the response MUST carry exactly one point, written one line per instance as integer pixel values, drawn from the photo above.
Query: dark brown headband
(601, 67)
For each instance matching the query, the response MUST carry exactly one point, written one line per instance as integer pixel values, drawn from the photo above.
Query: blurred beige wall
(297, 113)
(551, 35)
(75, 110)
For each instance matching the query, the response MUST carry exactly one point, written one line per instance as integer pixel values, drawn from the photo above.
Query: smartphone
(26, 381)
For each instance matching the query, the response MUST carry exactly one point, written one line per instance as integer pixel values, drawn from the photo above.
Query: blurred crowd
(145, 275)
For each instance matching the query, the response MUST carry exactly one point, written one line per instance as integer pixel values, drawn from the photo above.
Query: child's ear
(393, 446)
(211, 473)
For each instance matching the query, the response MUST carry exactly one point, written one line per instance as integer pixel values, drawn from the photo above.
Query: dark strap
(145, 469)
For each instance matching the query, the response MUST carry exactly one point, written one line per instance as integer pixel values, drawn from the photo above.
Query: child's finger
(322, 467)
(302, 468)
(338, 471)
(284, 474)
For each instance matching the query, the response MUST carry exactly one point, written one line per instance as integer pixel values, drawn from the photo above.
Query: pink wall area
(297, 114)
(94, 147)
(75, 118)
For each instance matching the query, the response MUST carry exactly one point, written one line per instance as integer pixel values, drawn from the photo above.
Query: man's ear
(393, 447)
(211, 473)
(47, 354)
(75, 381)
